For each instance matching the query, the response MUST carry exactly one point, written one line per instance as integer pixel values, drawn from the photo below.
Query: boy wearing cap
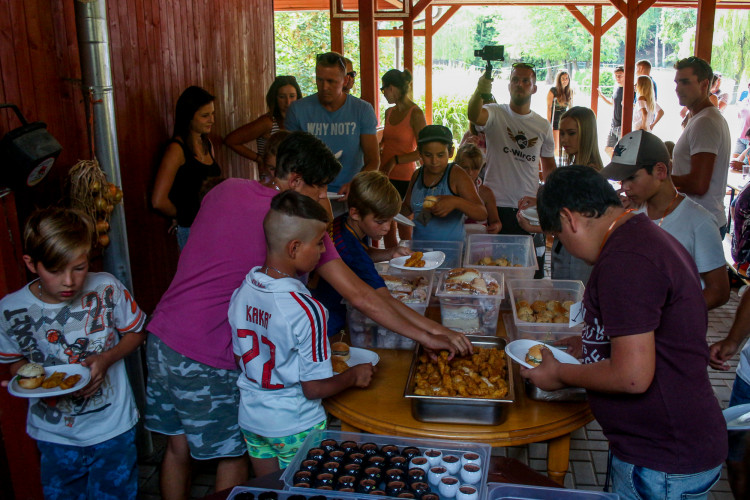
(439, 194)
(641, 162)
(643, 342)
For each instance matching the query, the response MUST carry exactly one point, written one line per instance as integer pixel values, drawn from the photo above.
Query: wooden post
(409, 44)
(704, 30)
(597, 56)
(368, 46)
(628, 92)
(428, 64)
(337, 34)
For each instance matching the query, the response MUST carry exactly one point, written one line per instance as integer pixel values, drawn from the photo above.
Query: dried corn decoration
(91, 193)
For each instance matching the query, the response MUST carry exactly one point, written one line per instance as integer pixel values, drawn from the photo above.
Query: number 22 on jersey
(253, 353)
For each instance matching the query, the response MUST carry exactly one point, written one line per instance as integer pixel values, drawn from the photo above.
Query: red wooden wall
(158, 48)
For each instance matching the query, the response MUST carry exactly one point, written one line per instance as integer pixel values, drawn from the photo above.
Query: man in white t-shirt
(701, 155)
(517, 140)
(641, 163)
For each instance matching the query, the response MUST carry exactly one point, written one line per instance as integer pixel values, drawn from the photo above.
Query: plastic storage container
(544, 290)
(517, 249)
(365, 332)
(468, 312)
(456, 448)
(506, 491)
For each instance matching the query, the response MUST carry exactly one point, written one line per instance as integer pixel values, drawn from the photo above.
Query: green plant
(450, 111)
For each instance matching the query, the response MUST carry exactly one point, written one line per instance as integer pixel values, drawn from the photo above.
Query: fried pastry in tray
(482, 375)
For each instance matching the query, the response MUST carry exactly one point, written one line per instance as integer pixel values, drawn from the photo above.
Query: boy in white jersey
(70, 316)
(279, 338)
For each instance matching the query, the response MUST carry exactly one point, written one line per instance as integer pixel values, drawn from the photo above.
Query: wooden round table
(383, 409)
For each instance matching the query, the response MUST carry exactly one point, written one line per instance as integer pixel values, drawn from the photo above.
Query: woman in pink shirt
(399, 154)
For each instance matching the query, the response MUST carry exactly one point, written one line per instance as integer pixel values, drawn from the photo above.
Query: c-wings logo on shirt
(521, 139)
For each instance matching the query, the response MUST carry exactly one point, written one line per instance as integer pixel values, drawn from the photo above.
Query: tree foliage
(731, 43)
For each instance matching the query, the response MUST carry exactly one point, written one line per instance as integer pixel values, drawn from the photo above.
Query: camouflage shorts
(184, 396)
(284, 448)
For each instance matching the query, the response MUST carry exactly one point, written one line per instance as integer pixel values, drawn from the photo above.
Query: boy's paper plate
(531, 215)
(39, 392)
(518, 349)
(401, 219)
(738, 417)
(358, 356)
(432, 260)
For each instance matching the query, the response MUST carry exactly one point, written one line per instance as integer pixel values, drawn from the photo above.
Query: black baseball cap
(435, 133)
(633, 152)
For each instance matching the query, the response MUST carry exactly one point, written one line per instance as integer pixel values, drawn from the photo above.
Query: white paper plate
(733, 413)
(334, 196)
(531, 215)
(432, 260)
(518, 349)
(402, 219)
(358, 356)
(72, 369)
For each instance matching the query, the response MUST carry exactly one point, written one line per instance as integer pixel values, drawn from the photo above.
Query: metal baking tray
(458, 410)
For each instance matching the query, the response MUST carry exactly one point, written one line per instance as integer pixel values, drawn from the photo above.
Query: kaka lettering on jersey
(257, 316)
(522, 142)
(326, 129)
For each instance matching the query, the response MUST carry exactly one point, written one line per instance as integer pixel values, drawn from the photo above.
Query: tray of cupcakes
(353, 465)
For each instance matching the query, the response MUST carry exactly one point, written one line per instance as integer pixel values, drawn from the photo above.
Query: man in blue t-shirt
(346, 124)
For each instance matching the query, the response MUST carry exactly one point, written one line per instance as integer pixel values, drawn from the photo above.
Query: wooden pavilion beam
(368, 44)
(337, 35)
(631, 32)
(428, 64)
(644, 6)
(704, 30)
(409, 45)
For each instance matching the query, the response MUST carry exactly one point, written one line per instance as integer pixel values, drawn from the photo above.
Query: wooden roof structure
(368, 12)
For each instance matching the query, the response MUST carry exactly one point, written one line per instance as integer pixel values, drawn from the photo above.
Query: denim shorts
(737, 439)
(632, 482)
(106, 470)
(184, 396)
(284, 448)
(613, 136)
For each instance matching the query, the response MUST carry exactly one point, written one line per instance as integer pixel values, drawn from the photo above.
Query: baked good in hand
(30, 375)
(341, 349)
(429, 201)
(534, 356)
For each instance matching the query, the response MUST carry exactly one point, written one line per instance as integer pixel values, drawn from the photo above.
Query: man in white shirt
(517, 140)
(641, 163)
(701, 155)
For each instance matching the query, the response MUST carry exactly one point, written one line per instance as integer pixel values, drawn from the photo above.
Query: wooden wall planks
(158, 48)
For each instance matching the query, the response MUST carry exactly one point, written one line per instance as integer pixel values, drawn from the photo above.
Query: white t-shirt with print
(706, 132)
(515, 144)
(696, 229)
(279, 333)
(56, 334)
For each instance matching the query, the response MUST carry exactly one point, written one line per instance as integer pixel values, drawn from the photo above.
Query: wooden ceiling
(388, 7)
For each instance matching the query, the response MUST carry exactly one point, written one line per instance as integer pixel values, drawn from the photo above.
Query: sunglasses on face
(352, 74)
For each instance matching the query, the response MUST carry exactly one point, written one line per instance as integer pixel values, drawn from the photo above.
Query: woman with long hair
(647, 112)
(559, 99)
(398, 156)
(187, 162)
(579, 140)
(281, 94)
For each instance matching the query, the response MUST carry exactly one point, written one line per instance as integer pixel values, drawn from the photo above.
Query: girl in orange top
(399, 154)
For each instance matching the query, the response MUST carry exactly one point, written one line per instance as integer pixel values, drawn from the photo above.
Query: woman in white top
(647, 112)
